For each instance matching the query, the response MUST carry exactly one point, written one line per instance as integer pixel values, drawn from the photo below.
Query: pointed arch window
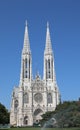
(49, 68)
(49, 63)
(26, 64)
(29, 68)
(26, 74)
(52, 67)
(46, 68)
(16, 104)
(49, 98)
(26, 98)
(23, 68)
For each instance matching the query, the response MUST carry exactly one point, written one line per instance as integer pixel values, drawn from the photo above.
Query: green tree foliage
(4, 115)
(67, 114)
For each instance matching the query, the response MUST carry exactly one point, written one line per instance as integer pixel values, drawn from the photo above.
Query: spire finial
(26, 23)
(47, 24)
(48, 47)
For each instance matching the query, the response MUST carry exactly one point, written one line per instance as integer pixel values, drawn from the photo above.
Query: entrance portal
(37, 115)
(26, 120)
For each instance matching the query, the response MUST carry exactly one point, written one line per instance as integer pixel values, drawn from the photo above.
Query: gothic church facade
(34, 97)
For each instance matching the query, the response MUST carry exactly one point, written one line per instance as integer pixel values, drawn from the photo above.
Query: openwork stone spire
(48, 47)
(26, 61)
(26, 46)
(49, 69)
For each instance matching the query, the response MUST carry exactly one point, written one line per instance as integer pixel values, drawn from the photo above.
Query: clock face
(38, 97)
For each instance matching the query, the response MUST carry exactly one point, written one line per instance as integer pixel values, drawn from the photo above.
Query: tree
(66, 114)
(4, 115)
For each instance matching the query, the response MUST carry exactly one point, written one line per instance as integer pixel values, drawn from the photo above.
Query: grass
(32, 128)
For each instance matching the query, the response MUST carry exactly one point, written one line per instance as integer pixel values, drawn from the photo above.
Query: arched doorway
(37, 115)
(26, 120)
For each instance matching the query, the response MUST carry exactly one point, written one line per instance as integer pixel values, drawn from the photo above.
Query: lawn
(41, 129)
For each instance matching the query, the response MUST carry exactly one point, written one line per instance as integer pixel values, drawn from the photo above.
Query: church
(34, 97)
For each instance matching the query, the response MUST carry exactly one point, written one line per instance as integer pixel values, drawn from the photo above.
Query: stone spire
(49, 69)
(48, 47)
(26, 45)
(26, 59)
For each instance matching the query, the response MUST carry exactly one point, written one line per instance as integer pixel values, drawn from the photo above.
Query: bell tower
(49, 70)
(26, 60)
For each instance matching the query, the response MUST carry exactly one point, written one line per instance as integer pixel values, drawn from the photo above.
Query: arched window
(52, 67)
(26, 98)
(46, 68)
(49, 68)
(29, 68)
(49, 63)
(16, 104)
(49, 98)
(26, 64)
(26, 74)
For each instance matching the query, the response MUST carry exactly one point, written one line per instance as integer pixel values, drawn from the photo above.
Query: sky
(64, 22)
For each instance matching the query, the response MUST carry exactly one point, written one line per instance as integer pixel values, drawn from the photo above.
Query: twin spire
(26, 64)
(26, 69)
(26, 46)
(48, 47)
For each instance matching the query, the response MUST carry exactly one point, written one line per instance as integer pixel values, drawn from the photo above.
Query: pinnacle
(47, 24)
(26, 23)
(48, 47)
(26, 46)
